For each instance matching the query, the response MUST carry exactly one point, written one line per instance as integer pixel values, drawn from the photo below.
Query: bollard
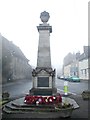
(66, 87)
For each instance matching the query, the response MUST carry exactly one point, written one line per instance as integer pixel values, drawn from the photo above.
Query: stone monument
(43, 96)
(43, 76)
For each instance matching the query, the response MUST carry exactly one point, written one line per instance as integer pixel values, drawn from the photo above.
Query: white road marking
(68, 92)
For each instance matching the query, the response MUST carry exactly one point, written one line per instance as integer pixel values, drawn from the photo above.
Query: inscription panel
(43, 81)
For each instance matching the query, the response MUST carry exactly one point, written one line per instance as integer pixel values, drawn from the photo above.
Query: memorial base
(18, 109)
(43, 92)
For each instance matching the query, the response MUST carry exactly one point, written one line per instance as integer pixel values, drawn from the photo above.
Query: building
(84, 63)
(0, 58)
(14, 64)
(77, 64)
(70, 64)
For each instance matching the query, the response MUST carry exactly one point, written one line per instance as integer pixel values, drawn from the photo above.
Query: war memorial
(43, 100)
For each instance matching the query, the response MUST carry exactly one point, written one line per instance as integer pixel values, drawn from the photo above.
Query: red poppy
(40, 100)
(45, 100)
(50, 99)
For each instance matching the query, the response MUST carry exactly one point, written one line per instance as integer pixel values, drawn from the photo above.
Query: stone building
(84, 63)
(70, 65)
(14, 64)
(77, 64)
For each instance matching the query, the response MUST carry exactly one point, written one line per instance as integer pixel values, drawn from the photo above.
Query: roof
(85, 54)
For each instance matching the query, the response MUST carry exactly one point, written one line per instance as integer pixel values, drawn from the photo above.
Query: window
(82, 72)
(85, 72)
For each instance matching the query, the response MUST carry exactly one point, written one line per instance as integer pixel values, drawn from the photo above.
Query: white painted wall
(67, 70)
(83, 69)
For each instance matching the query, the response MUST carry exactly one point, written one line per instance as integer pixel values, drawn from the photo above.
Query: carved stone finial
(44, 16)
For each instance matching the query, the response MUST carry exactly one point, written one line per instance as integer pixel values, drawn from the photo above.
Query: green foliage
(63, 105)
(5, 96)
(86, 95)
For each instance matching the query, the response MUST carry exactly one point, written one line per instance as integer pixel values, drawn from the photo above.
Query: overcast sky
(68, 18)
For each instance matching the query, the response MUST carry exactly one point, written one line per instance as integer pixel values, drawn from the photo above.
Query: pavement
(83, 110)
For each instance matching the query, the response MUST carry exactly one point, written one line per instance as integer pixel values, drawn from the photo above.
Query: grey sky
(68, 18)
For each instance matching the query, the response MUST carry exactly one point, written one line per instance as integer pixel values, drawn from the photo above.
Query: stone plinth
(43, 81)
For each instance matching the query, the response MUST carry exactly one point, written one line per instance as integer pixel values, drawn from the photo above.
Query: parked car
(62, 77)
(74, 79)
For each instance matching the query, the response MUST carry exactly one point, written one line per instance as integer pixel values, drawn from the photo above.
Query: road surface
(22, 87)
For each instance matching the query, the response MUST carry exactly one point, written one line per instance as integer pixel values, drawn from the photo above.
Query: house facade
(67, 70)
(83, 69)
(70, 65)
(77, 64)
(15, 65)
(84, 63)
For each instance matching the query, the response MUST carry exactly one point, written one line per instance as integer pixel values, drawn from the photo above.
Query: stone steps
(32, 105)
(19, 108)
(14, 107)
(11, 107)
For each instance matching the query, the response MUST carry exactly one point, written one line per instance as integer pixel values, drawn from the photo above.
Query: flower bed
(64, 109)
(5, 96)
(86, 95)
(42, 104)
(32, 99)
